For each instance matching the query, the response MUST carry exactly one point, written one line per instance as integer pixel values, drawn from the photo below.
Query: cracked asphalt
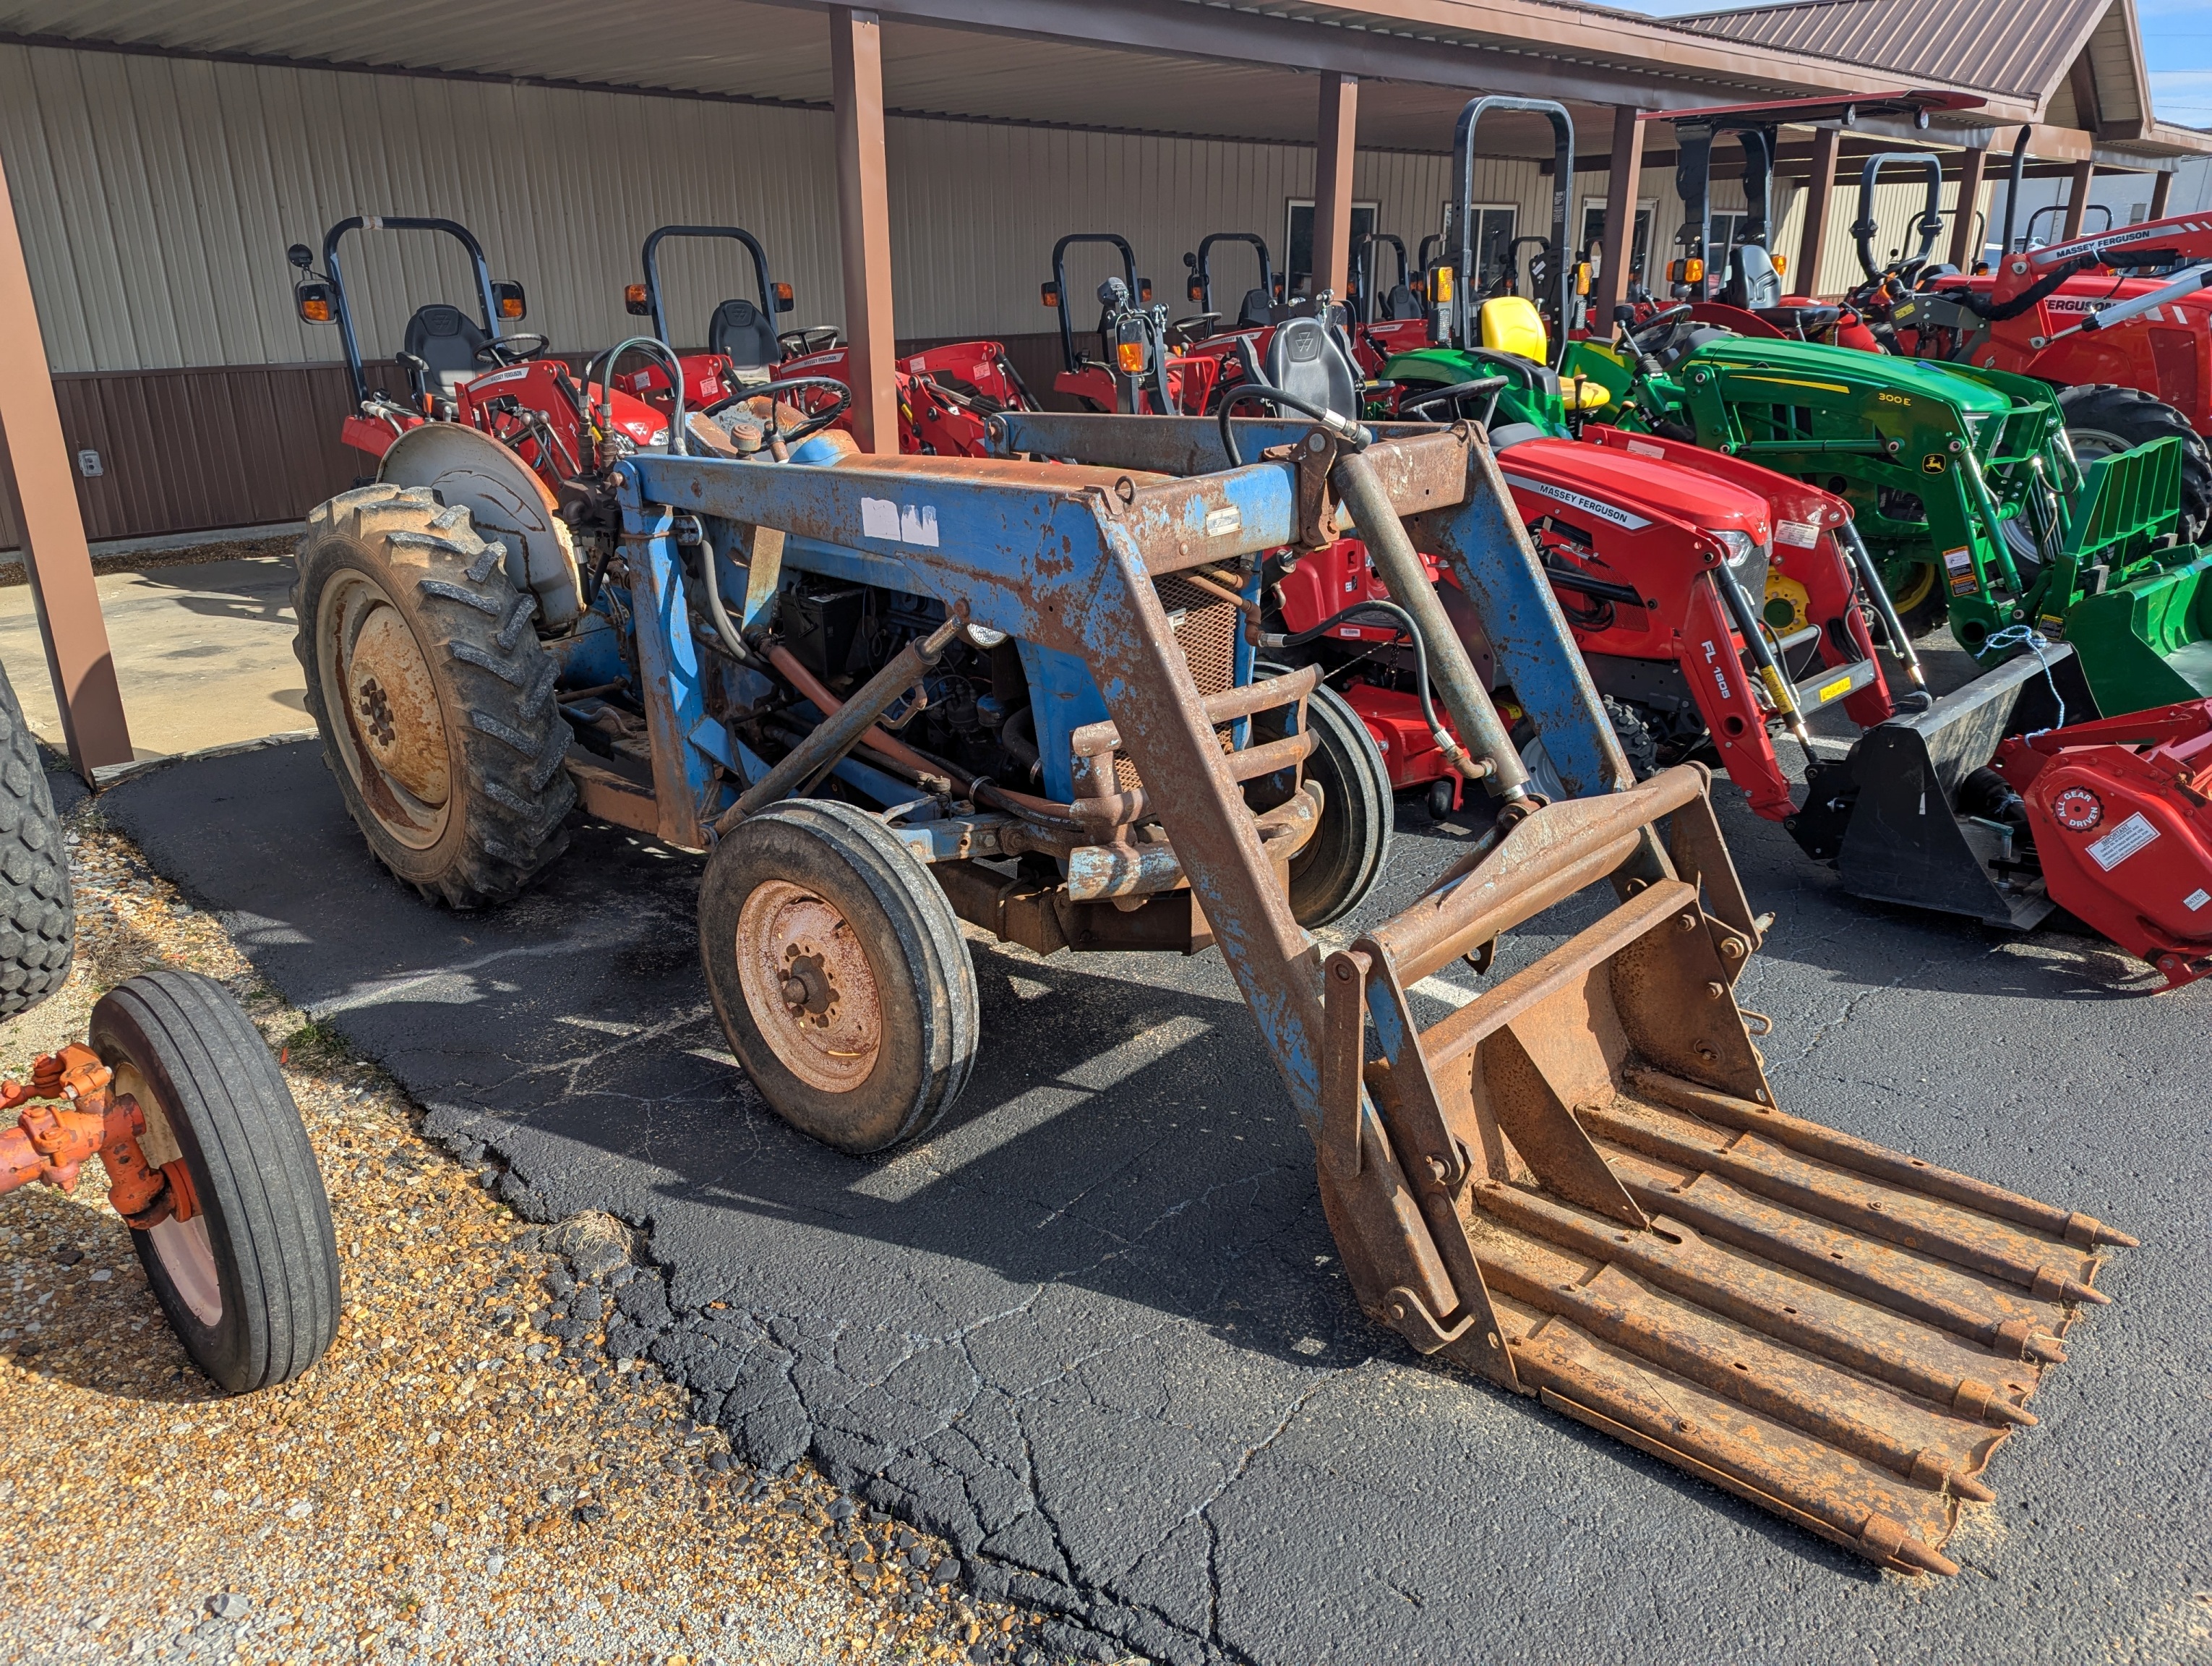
(1093, 1332)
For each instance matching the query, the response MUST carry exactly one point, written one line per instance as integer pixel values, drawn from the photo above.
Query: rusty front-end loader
(1579, 1184)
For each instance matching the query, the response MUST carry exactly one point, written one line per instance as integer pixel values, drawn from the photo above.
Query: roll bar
(1365, 285)
(738, 234)
(1202, 266)
(1059, 282)
(1466, 236)
(453, 229)
(1930, 225)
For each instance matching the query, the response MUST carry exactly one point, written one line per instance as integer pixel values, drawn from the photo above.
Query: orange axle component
(65, 1115)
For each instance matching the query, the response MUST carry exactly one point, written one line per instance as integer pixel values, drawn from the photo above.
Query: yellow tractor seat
(1511, 324)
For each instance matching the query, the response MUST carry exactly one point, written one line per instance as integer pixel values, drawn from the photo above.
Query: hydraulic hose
(650, 344)
(1347, 431)
(1404, 623)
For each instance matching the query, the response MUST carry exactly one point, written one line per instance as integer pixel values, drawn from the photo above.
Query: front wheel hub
(810, 986)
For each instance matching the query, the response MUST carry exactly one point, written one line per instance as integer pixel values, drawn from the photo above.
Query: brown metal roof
(2021, 47)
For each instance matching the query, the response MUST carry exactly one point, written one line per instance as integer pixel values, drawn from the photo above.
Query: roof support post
(1819, 195)
(2161, 192)
(863, 223)
(2077, 199)
(1338, 144)
(1972, 164)
(45, 497)
(1624, 185)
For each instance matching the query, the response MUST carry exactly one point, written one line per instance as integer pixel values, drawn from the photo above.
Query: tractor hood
(1837, 371)
(1628, 491)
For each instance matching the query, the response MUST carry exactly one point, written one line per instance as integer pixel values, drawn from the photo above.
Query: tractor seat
(1511, 324)
(1400, 303)
(1798, 321)
(447, 340)
(740, 332)
(1252, 312)
(1753, 284)
(1305, 359)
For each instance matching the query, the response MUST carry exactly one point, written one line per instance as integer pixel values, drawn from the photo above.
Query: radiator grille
(1206, 629)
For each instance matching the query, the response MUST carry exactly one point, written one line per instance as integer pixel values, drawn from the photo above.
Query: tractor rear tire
(37, 917)
(840, 974)
(432, 695)
(250, 1283)
(1351, 845)
(2103, 417)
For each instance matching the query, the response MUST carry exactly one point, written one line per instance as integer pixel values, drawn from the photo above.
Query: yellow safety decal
(1829, 691)
(1787, 381)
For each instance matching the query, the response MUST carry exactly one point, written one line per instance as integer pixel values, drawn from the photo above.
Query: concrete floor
(203, 653)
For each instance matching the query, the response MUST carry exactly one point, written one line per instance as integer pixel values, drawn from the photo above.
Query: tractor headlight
(1743, 552)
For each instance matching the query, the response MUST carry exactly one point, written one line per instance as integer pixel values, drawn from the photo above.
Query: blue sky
(2177, 45)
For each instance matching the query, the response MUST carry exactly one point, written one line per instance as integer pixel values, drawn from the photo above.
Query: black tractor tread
(269, 1217)
(518, 795)
(37, 916)
(1634, 734)
(2139, 417)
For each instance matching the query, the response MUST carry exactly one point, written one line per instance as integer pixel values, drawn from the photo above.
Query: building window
(1298, 241)
(1593, 242)
(1495, 224)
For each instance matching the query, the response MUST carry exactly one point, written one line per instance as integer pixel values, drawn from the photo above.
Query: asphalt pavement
(1093, 1330)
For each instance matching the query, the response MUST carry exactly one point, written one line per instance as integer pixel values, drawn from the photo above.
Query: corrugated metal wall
(157, 196)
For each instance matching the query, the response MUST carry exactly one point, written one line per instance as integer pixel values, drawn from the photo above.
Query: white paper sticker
(2123, 842)
(1796, 534)
(879, 518)
(2196, 899)
(1641, 448)
(918, 525)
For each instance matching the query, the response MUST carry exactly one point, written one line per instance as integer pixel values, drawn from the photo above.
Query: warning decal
(2123, 842)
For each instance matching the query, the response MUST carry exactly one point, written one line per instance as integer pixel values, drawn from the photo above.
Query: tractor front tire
(250, 1282)
(840, 974)
(38, 918)
(2102, 418)
(432, 695)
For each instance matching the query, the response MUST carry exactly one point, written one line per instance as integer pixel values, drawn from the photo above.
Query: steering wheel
(814, 339)
(1188, 330)
(816, 420)
(1452, 394)
(512, 349)
(1665, 319)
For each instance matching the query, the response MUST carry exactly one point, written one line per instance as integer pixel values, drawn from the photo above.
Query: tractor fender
(506, 501)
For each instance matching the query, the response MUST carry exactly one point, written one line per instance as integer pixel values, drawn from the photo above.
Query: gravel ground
(464, 1477)
(13, 572)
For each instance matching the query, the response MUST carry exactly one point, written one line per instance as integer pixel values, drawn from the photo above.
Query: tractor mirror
(1049, 294)
(508, 304)
(301, 256)
(1191, 261)
(312, 301)
(784, 303)
(635, 301)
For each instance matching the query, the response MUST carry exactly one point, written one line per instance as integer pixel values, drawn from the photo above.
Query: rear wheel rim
(810, 985)
(377, 686)
(2091, 443)
(1911, 586)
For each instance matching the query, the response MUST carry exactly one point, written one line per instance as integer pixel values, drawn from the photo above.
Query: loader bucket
(2148, 643)
(1888, 815)
(1579, 1186)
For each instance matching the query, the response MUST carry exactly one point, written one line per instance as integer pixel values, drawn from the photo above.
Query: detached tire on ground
(433, 695)
(838, 970)
(1340, 863)
(2102, 418)
(37, 917)
(250, 1283)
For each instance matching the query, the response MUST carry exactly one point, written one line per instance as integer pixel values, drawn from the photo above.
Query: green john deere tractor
(1963, 485)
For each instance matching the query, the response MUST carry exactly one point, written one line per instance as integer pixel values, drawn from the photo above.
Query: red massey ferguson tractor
(946, 394)
(2122, 321)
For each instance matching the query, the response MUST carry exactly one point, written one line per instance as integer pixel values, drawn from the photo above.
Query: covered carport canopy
(1389, 76)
